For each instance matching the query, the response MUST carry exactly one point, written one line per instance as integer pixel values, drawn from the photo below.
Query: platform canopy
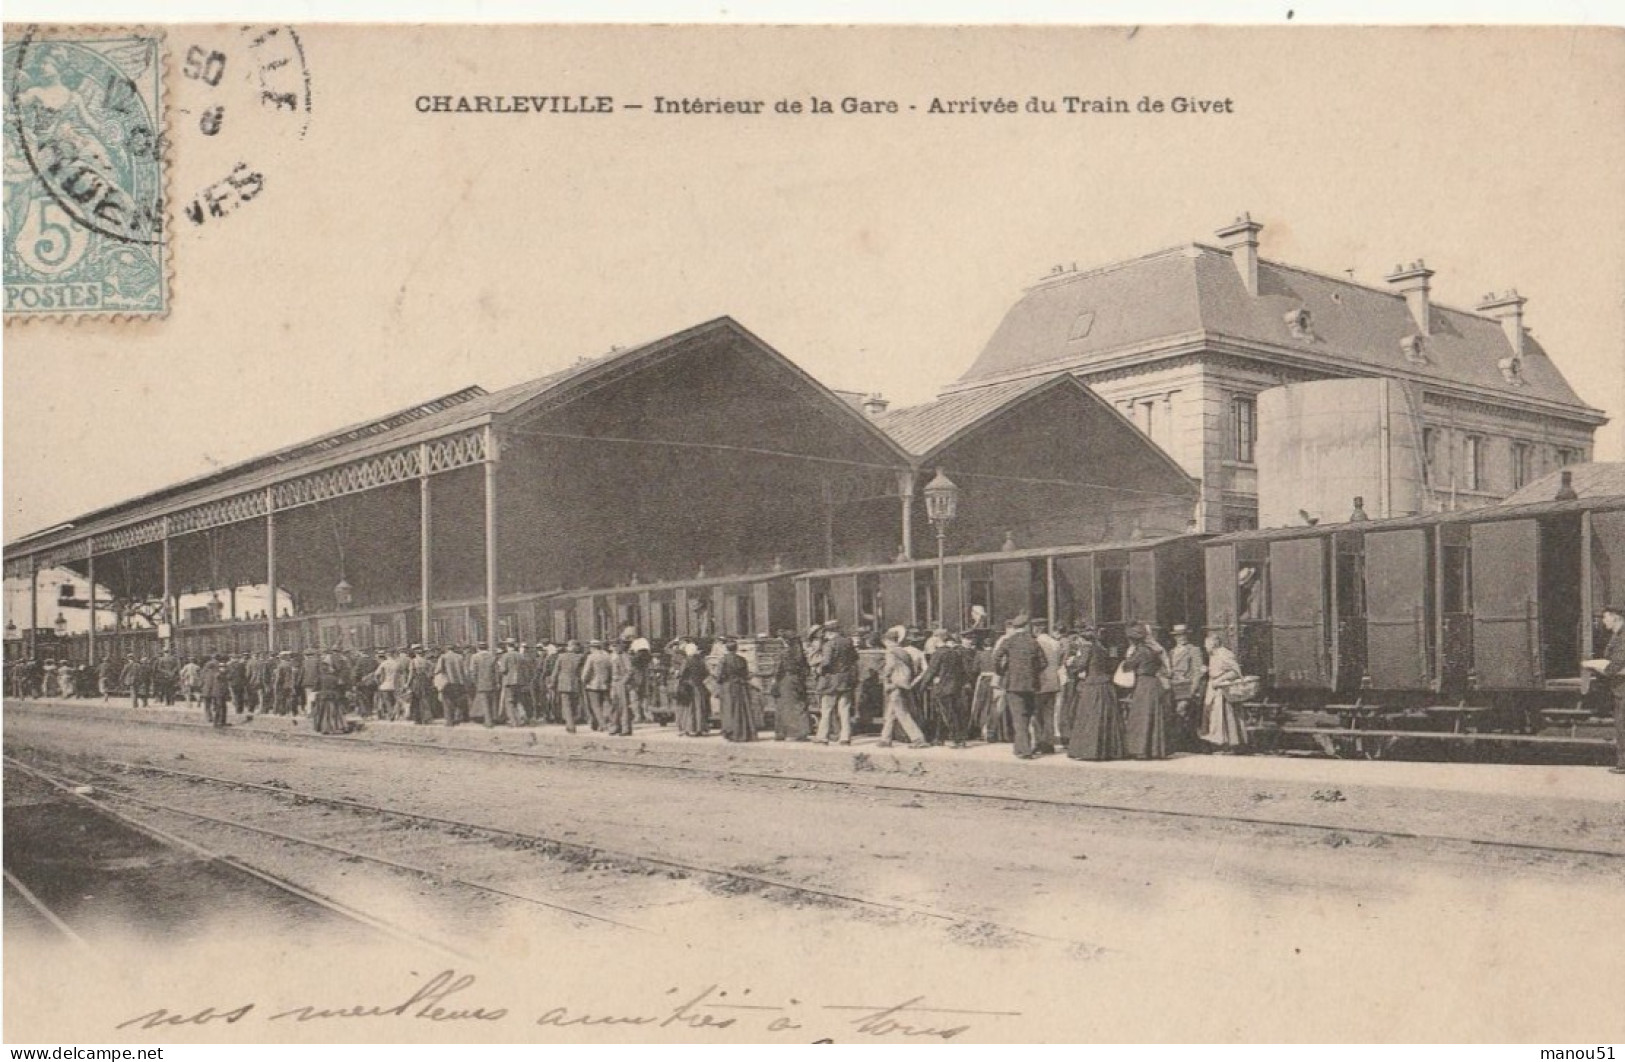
(1041, 462)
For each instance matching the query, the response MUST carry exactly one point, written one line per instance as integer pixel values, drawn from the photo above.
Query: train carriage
(1470, 623)
(1113, 584)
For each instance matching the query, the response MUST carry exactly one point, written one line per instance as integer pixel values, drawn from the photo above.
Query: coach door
(1398, 620)
(896, 598)
(1607, 573)
(1298, 594)
(1142, 588)
(1012, 588)
(1074, 590)
(1221, 592)
(1506, 605)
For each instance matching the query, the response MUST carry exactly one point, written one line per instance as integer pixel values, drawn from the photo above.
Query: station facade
(1184, 342)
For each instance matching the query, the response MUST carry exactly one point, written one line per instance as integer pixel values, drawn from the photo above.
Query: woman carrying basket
(1226, 688)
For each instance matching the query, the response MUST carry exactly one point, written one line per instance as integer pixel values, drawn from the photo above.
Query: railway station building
(1287, 392)
(667, 475)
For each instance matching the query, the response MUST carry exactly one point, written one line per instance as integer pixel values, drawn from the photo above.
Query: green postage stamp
(85, 203)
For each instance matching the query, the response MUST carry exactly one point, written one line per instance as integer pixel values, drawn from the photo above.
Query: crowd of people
(1030, 687)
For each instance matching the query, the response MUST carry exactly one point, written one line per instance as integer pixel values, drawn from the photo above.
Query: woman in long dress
(733, 695)
(790, 722)
(1221, 722)
(1146, 736)
(987, 702)
(1097, 723)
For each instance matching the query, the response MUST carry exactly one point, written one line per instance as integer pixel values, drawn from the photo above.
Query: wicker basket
(1246, 688)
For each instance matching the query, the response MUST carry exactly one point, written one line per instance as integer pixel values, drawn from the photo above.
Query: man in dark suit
(1020, 661)
(837, 682)
(949, 676)
(1613, 618)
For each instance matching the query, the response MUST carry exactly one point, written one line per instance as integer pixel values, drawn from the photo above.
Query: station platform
(1571, 806)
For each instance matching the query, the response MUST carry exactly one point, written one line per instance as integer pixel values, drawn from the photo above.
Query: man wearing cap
(214, 690)
(482, 669)
(837, 682)
(451, 679)
(415, 674)
(642, 656)
(1186, 670)
(388, 676)
(620, 692)
(282, 683)
(1613, 673)
(191, 674)
(310, 675)
(567, 683)
(949, 677)
(1020, 662)
(597, 674)
(1049, 686)
(510, 665)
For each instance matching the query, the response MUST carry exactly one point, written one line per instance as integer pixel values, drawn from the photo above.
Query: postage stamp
(86, 231)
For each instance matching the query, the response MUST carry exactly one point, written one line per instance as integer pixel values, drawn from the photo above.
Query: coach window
(1250, 592)
(871, 606)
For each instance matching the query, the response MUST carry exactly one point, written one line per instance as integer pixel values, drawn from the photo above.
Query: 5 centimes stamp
(85, 203)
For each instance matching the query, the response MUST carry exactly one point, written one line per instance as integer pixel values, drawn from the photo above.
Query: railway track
(913, 788)
(236, 868)
(113, 776)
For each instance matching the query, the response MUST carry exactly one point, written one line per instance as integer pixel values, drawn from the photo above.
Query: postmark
(86, 206)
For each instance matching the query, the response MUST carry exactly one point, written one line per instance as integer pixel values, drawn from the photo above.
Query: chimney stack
(1508, 309)
(1412, 282)
(1240, 238)
(875, 404)
(1565, 490)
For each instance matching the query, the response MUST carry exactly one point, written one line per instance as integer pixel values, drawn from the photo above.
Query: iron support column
(270, 569)
(905, 489)
(90, 574)
(425, 528)
(491, 456)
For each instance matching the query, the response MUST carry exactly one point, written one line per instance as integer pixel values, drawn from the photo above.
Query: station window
(1430, 455)
(1473, 462)
(1245, 417)
(1567, 457)
(668, 619)
(1522, 454)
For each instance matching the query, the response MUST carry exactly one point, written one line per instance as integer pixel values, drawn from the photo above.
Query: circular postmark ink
(242, 94)
(89, 134)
